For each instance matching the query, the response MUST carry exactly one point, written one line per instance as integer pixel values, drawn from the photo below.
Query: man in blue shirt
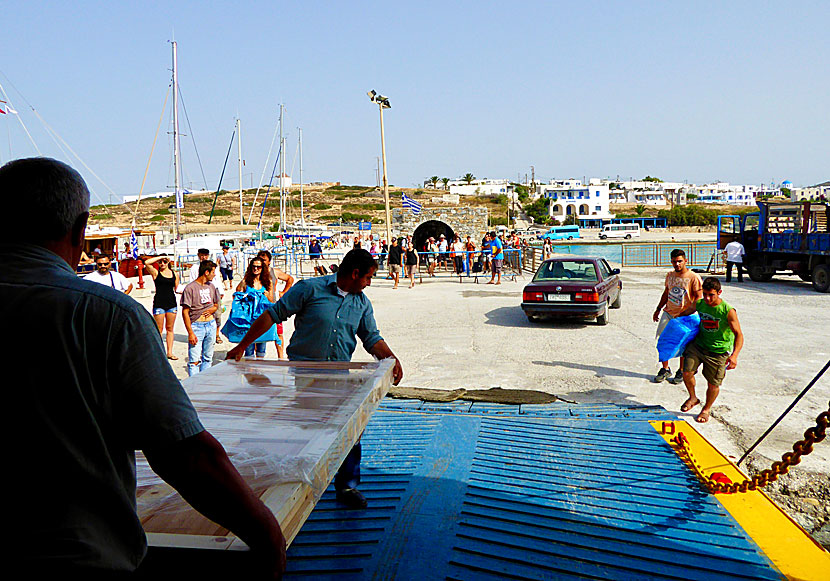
(496, 247)
(330, 312)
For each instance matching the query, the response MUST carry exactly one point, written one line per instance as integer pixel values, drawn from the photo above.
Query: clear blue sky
(735, 91)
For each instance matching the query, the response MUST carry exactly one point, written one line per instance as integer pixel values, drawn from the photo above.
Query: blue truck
(783, 237)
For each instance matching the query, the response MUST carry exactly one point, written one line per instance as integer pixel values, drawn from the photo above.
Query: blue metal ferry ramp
(464, 490)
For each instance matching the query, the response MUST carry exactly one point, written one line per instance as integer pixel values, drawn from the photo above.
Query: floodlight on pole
(383, 103)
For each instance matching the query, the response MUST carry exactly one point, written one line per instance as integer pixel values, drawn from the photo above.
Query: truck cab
(781, 237)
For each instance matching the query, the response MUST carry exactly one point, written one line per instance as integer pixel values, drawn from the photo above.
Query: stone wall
(463, 220)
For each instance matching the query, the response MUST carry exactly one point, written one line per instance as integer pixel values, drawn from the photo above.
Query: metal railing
(698, 254)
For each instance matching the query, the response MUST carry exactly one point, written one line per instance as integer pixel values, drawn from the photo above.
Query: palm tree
(468, 178)
(445, 181)
(434, 181)
(640, 209)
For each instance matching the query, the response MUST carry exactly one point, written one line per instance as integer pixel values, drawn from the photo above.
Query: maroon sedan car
(573, 287)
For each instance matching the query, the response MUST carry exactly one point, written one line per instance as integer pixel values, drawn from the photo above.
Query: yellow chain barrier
(718, 482)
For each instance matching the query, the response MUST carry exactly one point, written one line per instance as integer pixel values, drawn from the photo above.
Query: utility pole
(383, 103)
(532, 177)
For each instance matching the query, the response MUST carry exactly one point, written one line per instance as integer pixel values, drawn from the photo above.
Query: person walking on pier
(165, 305)
(277, 275)
(200, 304)
(497, 251)
(682, 288)
(412, 260)
(734, 253)
(227, 264)
(720, 332)
(395, 261)
(330, 312)
(106, 391)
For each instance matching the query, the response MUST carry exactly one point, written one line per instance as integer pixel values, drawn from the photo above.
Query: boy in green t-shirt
(719, 333)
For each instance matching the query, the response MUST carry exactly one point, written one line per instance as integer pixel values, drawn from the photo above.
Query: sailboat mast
(176, 148)
(302, 208)
(282, 173)
(239, 149)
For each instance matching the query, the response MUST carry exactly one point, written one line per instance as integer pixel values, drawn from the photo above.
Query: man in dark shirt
(315, 253)
(395, 260)
(105, 390)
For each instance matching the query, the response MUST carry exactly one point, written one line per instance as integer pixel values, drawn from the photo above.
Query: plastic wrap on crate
(279, 421)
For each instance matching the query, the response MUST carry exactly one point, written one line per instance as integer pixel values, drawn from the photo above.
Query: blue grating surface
(487, 495)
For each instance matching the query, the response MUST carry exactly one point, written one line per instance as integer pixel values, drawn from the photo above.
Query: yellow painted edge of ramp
(784, 542)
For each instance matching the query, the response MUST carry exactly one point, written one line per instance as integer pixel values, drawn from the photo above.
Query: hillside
(324, 205)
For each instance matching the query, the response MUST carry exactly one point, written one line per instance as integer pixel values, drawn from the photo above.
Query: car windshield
(563, 270)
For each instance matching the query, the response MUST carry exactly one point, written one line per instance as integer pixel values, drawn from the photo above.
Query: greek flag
(411, 204)
(133, 244)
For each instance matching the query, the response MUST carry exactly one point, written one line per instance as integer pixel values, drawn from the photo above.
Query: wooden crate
(287, 427)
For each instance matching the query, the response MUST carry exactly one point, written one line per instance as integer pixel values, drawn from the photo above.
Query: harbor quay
(451, 335)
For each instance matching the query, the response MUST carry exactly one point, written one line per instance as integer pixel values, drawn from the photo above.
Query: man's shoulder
(192, 286)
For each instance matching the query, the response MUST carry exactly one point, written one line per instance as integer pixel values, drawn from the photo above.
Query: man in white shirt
(734, 255)
(103, 275)
(442, 250)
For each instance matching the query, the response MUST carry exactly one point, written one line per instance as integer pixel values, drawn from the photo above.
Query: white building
(724, 193)
(482, 187)
(811, 193)
(584, 202)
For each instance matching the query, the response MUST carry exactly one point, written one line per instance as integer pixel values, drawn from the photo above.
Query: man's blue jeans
(259, 347)
(348, 476)
(200, 355)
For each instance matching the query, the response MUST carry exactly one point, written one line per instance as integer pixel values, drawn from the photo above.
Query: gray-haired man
(97, 389)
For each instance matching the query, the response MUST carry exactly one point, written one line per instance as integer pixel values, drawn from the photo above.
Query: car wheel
(602, 319)
(570, 237)
(821, 278)
(628, 236)
(602, 237)
(617, 301)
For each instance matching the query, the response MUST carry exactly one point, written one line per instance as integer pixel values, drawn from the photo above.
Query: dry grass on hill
(322, 204)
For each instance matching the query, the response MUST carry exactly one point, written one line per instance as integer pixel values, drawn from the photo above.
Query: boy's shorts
(714, 364)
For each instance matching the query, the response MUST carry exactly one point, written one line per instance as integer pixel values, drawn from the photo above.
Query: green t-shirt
(715, 333)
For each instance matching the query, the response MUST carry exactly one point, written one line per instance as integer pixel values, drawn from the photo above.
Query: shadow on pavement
(779, 285)
(602, 395)
(515, 317)
(600, 370)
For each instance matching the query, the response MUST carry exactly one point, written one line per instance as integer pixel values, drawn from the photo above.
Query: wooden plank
(287, 427)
